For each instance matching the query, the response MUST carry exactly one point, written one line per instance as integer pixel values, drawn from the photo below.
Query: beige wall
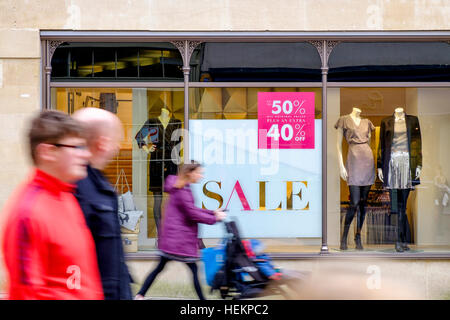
(218, 15)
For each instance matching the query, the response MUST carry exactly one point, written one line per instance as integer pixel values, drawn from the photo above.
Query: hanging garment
(386, 147)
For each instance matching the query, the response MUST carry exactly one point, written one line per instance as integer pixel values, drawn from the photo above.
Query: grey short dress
(360, 163)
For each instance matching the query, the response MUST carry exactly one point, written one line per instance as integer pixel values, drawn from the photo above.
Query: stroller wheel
(224, 293)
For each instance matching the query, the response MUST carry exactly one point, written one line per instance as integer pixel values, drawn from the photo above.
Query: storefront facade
(202, 94)
(275, 192)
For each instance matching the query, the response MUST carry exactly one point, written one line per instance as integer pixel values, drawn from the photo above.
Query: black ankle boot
(358, 242)
(405, 246)
(398, 247)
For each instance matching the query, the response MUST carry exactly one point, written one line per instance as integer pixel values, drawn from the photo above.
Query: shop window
(117, 62)
(255, 62)
(390, 61)
(137, 168)
(273, 192)
(424, 207)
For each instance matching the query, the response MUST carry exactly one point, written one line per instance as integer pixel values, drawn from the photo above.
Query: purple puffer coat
(179, 232)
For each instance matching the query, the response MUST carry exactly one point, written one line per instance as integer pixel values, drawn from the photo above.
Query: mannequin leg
(354, 200)
(403, 199)
(364, 194)
(402, 219)
(157, 202)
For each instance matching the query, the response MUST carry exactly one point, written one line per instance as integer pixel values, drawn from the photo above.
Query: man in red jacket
(48, 249)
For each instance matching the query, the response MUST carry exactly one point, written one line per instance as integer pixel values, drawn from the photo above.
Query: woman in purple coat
(178, 239)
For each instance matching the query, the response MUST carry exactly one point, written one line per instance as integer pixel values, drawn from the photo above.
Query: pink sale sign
(286, 120)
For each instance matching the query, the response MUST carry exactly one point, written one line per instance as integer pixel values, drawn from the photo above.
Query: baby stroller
(230, 271)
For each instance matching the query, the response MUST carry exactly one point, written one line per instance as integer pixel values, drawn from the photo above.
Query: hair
(189, 167)
(50, 127)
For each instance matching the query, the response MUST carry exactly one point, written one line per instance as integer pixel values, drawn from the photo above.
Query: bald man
(98, 200)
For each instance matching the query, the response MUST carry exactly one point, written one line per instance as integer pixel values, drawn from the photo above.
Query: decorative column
(186, 49)
(324, 49)
(51, 47)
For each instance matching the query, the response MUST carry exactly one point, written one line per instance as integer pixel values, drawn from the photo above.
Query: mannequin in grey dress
(360, 171)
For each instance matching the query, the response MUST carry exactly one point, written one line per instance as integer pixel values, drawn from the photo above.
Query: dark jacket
(414, 145)
(98, 201)
(180, 222)
(161, 162)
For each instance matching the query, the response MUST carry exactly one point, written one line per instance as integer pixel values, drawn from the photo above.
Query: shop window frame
(322, 40)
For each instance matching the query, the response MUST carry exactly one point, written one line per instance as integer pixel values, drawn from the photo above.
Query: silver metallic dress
(399, 171)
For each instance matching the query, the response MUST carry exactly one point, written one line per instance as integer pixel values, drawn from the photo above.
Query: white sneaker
(139, 297)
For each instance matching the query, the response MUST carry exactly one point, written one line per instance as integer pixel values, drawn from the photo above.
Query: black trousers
(400, 198)
(358, 199)
(162, 263)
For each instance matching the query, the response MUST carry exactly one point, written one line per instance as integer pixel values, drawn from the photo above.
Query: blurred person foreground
(48, 250)
(98, 200)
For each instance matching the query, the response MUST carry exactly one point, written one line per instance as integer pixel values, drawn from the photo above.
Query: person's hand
(220, 215)
(276, 276)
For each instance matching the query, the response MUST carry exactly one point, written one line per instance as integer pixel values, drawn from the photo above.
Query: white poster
(272, 193)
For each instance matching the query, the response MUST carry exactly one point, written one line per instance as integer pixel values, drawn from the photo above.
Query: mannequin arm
(147, 149)
(418, 171)
(342, 170)
(380, 174)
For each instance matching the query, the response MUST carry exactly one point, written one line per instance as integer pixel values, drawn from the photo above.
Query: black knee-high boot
(398, 243)
(362, 202)
(360, 221)
(348, 221)
(402, 196)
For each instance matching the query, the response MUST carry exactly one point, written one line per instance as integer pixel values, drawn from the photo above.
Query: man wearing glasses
(48, 249)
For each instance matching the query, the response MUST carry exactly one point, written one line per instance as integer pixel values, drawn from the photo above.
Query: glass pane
(127, 62)
(405, 148)
(136, 168)
(251, 62)
(386, 61)
(160, 63)
(104, 62)
(273, 194)
(60, 63)
(81, 62)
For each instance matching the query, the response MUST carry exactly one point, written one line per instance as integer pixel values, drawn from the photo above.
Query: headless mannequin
(398, 113)
(164, 118)
(402, 198)
(358, 194)
(356, 116)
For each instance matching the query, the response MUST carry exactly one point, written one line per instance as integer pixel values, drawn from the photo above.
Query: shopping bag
(129, 217)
